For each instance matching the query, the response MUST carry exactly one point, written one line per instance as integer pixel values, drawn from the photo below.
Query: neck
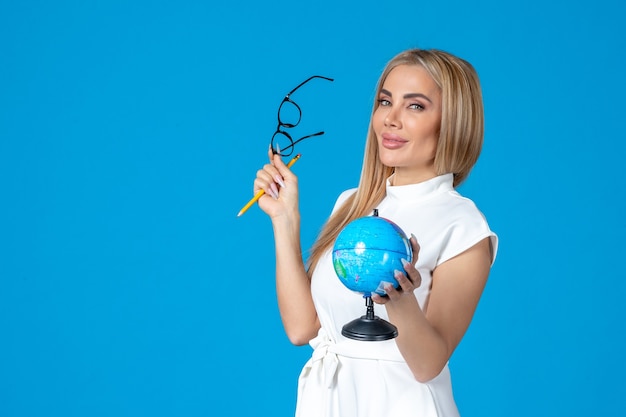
(403, 177)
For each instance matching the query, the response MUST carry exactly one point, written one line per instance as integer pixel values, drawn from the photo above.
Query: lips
(392, 141)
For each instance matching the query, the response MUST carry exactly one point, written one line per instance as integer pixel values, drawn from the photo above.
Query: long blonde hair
(459, 145)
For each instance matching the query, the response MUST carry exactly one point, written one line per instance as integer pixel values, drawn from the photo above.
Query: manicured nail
(397, 273)
(404, 262)
(279, 180)
(271, 193)
(274, 191)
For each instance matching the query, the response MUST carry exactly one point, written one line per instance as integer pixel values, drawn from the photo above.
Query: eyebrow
(409, 95)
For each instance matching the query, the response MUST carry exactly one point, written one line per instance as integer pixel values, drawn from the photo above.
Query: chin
(388, 160)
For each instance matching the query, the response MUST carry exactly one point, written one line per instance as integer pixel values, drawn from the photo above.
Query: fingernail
(413, 237)
(404, 262)
(397, 273)
(279, 180)
(274, 191)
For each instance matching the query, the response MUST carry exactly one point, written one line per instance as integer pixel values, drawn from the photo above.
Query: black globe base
(369, 327)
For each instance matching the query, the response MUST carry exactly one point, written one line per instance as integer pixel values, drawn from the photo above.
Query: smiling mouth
(392, 141)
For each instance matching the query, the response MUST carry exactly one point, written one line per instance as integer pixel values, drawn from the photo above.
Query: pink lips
(392, 141)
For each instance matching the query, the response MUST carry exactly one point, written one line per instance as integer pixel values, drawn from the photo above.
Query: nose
(392, 118)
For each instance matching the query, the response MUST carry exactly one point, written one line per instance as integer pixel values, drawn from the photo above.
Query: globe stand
(369, 327)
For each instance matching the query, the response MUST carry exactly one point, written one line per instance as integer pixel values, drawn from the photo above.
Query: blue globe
(366, 253)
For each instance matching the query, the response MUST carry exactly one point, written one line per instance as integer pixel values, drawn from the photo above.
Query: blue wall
(130, 133)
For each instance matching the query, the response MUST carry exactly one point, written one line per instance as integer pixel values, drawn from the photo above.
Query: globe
(366, 253)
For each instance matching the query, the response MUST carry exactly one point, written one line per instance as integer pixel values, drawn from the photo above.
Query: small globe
(366, 253)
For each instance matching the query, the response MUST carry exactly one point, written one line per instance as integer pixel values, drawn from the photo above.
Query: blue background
(131, 132)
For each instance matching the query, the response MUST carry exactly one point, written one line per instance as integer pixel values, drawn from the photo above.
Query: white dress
(350, 378)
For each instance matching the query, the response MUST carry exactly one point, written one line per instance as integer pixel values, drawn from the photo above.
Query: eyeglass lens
(282, 143)
(289, 113)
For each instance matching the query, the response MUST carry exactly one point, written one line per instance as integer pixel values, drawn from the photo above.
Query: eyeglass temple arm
(306, 81)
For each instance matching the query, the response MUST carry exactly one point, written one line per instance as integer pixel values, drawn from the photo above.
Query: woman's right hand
(280, 186)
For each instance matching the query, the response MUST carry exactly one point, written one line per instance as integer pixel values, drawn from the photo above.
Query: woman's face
(406, 123)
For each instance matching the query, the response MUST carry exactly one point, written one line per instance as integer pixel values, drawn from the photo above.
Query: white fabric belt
(326, 354)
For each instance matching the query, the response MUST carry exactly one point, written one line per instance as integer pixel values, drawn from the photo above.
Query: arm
(428, 338)
(293, 287)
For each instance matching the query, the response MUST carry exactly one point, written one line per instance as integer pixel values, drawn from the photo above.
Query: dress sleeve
(468, 226)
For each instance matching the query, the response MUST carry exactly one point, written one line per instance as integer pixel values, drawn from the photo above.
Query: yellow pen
(260, 193)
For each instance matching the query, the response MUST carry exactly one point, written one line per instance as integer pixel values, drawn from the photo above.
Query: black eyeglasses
(289, 116)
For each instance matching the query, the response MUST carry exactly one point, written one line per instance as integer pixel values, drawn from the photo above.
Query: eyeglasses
(289, 115)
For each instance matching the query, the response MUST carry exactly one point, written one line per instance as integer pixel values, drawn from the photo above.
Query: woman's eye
(383, 102)
(416, 106)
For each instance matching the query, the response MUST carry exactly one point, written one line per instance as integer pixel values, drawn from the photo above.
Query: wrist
(288, 223)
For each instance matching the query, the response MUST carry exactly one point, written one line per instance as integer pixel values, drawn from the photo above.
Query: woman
(425, 135)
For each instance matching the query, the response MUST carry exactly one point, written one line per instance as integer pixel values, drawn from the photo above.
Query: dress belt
(326, 354)
(324, 357)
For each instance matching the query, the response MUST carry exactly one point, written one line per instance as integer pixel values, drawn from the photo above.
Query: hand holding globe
(365, 256)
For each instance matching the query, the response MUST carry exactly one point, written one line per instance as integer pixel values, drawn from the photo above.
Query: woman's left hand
(409, 280)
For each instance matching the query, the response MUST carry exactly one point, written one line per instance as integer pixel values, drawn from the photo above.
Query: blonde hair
(459, 145)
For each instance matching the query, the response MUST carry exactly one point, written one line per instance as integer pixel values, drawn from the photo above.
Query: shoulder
(343, 197)
(466, 225)
(461, 208)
